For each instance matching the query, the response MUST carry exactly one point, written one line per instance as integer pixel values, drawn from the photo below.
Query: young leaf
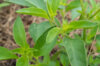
(73, 4)
(81, 24)
(33, 11)
(52, 34)
(19, 33)
(37, 30)
(52, 6)
(38, 3)
(50, 11)
(23, 61)
(55, 4)
(6, 54)
(76, 51)
(20, 2)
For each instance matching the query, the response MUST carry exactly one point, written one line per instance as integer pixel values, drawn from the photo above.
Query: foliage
(46, 35)
(4, 4)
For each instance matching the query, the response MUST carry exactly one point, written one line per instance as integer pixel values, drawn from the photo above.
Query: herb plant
(75, 51)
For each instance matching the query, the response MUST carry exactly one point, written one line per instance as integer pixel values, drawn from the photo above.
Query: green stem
(84, 34)
(84, 30)
(82, 5)
(81, 1)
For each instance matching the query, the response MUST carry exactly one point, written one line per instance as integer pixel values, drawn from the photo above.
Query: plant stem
(84, 30)
(81, 1)
(82, 5)
(84, 34)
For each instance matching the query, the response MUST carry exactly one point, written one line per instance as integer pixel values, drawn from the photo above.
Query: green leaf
(75, 13)
(64, 59)
(47, 48)
(50, 11)
(81, 24)
(63, 2)
(93, 3)
(5, 54)
(20, 2)
(92, 33)
(98, 43)
(37, 30)
(97, 62)
(17, 50)
(97, 18)
(41, 41)
(52, 34)
(41, 64)
(52, 6)
(90, 60)
(94, 61)
(55, 55)
(98, 37)
(23, 61)
(19, 33)
(46, 58)
(33, 11)
(4, 4)
(55, 4)
(57, 22)
(38, 3)
(52, 63)
(72, 5)
(76, 51)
